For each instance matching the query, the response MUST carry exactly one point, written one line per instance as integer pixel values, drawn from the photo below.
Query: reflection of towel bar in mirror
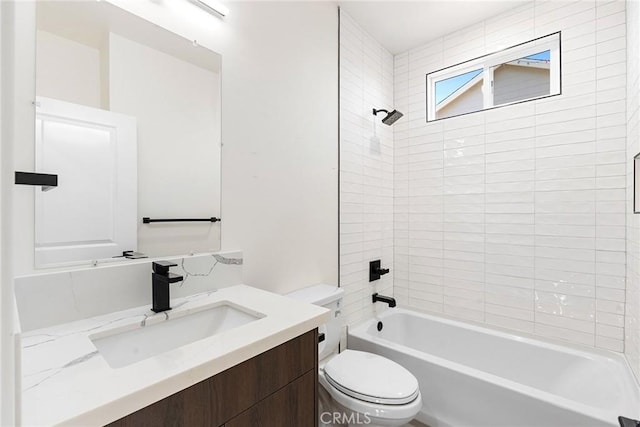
(147, 220)
(46, 180)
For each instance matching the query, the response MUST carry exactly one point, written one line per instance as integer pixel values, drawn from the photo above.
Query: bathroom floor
(413, 423)
(332, 415)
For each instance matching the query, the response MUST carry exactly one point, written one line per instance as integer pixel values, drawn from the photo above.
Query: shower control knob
(375, 270)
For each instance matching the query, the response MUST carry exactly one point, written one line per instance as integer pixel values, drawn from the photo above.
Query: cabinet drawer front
(216, 400)
(291, 406)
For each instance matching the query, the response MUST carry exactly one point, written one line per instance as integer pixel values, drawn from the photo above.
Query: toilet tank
(329, 297)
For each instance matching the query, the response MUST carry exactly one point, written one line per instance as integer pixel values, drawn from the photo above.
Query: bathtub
(472, 376)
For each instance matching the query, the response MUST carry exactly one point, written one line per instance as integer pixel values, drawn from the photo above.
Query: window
(520, 73)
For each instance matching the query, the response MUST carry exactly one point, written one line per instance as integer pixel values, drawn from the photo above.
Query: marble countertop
(65, 380)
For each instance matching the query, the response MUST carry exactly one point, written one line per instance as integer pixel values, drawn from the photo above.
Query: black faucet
(160, 280)
(391, 301)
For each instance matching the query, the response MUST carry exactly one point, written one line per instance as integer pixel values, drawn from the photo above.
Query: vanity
(256, 364)
(275, 388)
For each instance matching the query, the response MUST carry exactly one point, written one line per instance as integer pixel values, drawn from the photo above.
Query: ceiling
(90, 23)
(403, 25)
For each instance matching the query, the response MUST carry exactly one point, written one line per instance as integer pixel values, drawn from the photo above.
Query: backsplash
(516, 216)
(53, 298)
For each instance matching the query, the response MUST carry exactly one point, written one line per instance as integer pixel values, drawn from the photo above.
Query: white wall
(6, 288)
(18, 76)
(280, 153)
(366, 169)
(632, 308)
(183, 151)
(516, 216)
(68, 70)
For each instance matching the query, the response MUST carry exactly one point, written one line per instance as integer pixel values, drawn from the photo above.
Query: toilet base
(333, 414)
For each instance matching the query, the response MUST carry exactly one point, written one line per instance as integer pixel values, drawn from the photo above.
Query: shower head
(390, 118)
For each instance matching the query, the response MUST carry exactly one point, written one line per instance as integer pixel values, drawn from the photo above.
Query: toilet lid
(372, 378)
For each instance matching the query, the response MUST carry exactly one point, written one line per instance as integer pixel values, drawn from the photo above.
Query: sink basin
(126, 345)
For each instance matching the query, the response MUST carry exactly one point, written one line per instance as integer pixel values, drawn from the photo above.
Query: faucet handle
(162, 267)
(376, 270)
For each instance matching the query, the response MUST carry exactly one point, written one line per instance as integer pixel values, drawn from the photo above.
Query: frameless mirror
(520, 73)
(128, 117)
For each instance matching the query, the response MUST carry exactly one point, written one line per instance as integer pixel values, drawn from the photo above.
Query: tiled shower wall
(366, 168)
(632, 322)
(516, 216)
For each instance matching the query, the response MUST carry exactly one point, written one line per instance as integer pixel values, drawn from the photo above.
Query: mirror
(128, 117)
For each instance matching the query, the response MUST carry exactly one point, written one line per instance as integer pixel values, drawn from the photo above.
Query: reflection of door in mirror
(92, 213)
(105, 61)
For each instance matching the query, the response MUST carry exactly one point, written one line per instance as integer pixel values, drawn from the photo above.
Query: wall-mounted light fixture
(212, 6)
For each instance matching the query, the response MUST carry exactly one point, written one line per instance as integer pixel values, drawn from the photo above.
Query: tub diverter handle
(628, 422)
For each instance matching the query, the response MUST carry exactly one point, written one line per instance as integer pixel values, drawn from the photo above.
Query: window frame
(551, 42)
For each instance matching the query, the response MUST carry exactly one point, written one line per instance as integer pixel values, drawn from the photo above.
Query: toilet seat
(379, 413)
(371, 378)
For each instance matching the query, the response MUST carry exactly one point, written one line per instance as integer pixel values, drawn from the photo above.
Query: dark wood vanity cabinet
(277, 388)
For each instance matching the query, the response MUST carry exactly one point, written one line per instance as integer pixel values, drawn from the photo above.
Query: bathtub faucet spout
(391, 301)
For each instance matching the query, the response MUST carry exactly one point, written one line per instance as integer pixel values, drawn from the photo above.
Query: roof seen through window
(445, 88)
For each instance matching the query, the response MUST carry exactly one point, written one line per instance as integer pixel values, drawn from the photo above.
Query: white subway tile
(608, 331)
(509, 323)
(609, 343)
(565, 334)
(565, 276)
(610, 306)
(611, 20)
(577, 325)
(610, 319)
(477, 211)
(570, 306)
(608, 294)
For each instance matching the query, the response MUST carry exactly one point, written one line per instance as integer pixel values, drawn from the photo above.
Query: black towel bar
(147, 220)
(46, 180)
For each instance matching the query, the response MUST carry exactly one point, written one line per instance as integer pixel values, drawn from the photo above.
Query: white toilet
(364, 388)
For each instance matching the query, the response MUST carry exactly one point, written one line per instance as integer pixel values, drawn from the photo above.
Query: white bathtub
(472, 376)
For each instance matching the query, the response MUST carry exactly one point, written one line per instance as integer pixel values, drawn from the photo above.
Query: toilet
(363, 388)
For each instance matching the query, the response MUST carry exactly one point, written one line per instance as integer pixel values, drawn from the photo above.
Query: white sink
(126, 345)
